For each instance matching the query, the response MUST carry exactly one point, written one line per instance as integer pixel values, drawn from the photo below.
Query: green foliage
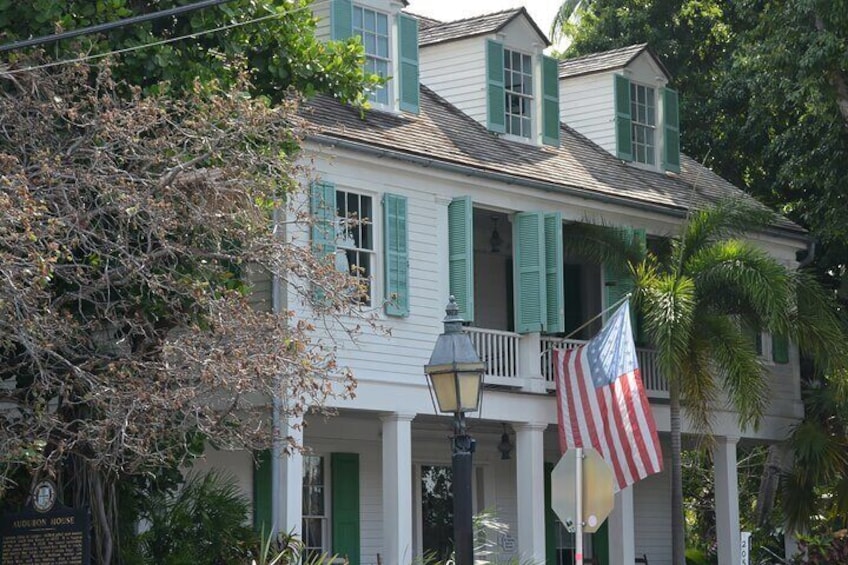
(825, 549)
(280, 49)
(203, 522)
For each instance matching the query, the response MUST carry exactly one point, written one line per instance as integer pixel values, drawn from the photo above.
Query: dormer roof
(423, 21)
(470, 27)
(607, 61)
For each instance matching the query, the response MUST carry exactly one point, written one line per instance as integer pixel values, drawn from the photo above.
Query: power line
(157, 43)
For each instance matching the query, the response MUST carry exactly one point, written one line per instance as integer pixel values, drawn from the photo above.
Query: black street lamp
(455, 375)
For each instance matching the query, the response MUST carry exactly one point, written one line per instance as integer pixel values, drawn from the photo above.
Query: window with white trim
(373, 28)
(355, 238)
(643, 113)
(518, 90)
(316, 534)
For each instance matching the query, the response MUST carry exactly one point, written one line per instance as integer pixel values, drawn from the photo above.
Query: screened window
(315, 526)
(565, 546)
(518, 89)
(643, 112)
(355, 238)
(373, 28)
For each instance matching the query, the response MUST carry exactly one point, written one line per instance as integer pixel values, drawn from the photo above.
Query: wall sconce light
(504, 446)
(495, 241)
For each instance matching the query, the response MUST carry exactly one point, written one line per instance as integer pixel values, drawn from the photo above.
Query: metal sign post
(578, 511)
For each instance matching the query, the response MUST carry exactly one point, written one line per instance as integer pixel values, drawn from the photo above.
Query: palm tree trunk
(678, 527)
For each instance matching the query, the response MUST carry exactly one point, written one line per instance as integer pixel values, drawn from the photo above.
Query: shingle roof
(608, 60)
(443, 133)
(470, 27)
(423, 21)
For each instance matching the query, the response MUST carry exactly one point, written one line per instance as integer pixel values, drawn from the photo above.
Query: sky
(542, 11)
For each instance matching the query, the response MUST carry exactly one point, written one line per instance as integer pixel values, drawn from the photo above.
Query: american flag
(601, 402)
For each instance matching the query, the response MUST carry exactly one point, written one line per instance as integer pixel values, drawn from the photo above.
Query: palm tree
(696, 302)
(563, 15)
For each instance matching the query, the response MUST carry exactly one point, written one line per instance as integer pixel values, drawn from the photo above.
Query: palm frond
(815, 324)
(740, 369)
(698, 390)
(728, 219)
(602, 244)
(564, 13)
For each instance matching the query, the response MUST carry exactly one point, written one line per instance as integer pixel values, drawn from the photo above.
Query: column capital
(397, 416)
(530, 426)
(728, 439)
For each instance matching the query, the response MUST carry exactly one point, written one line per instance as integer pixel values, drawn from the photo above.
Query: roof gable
(433, 33)
(610, 61)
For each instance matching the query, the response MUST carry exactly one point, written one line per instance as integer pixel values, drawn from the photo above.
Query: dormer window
(643, 114)
(518, 90)
(373, 28)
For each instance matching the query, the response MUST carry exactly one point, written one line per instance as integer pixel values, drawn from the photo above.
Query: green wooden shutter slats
(600, 544)
(779, 348)
(461, 255)
(262, 507)
(619, 282)
(550, 101)
(396, 255)
(623, 135)
(554, 283)
(529, 272)
(344, 470)
(341, 19)
(550, 519)
(496, 103)
(671, 130)
(408, 46)
(323, 208)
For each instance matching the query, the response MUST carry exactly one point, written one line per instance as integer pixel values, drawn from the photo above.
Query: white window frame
(349, 228)
(383, 95)
(325, 518)
(644, 152)
(526, 74)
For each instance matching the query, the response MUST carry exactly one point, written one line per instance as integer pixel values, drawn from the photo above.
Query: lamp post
(455, 375)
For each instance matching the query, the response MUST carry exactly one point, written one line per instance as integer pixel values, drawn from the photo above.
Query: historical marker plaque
(46, 533)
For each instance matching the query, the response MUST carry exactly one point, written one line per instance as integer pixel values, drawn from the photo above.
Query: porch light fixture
(505, 447)
(495, 241)
(455, 378)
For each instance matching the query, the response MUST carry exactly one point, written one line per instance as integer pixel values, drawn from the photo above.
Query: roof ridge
(607, 52)
(480, 16)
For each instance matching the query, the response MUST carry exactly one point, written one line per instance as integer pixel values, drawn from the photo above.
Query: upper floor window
(356, 237)
(518, 92)
(643, 113)
(373, 28)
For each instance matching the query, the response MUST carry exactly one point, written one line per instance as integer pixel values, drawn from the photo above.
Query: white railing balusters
(497, 349)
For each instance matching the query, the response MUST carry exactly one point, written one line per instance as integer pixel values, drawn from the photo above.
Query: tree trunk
(678, 526)
(775, 464)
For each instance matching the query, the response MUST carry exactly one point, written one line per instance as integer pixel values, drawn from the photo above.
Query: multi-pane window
(354, 213)
(315, 528)
(518, 86)
(643, 113)
(373, 28)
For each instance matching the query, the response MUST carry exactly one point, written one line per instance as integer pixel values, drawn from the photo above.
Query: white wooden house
(476, 153)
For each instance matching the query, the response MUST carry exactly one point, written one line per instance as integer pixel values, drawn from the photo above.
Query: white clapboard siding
(652, 519)
(586, 104)
(456, 71)
(261, 286)
(321, 11)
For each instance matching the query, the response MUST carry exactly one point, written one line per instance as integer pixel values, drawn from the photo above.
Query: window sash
(314, 508)
(354, 218)
(643, 112)
(518, 93)
(372, 27)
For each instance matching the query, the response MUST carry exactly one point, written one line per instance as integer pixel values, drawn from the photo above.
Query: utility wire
(157, 43)
(110, 25)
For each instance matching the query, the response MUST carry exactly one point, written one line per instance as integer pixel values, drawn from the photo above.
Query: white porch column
(397, 488)
(530, 489)
(727, 501)
(287, 484)
(622, 541)
(529, 364)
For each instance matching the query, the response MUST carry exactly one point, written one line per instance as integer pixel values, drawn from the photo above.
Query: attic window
(518, 90)
(373, 28)
(643, 113)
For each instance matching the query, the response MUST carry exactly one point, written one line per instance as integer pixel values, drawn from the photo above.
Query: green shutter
(262, 507)
(779, 348)
(341, 19)
(554, 283)
(408, 42)
(671, 131)
(461, 255)
(753, 336)
(600, 545)
(618, 281)
(550, 519)
(528, 237)
(495, 80)
(623, 135)
(323, 208)
(396, 255)
(550, 101)
(345, 506)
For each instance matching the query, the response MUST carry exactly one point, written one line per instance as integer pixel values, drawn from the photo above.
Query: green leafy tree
(696, 302)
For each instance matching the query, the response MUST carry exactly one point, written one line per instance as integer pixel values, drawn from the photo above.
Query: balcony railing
(498, 350)
(655, 384)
